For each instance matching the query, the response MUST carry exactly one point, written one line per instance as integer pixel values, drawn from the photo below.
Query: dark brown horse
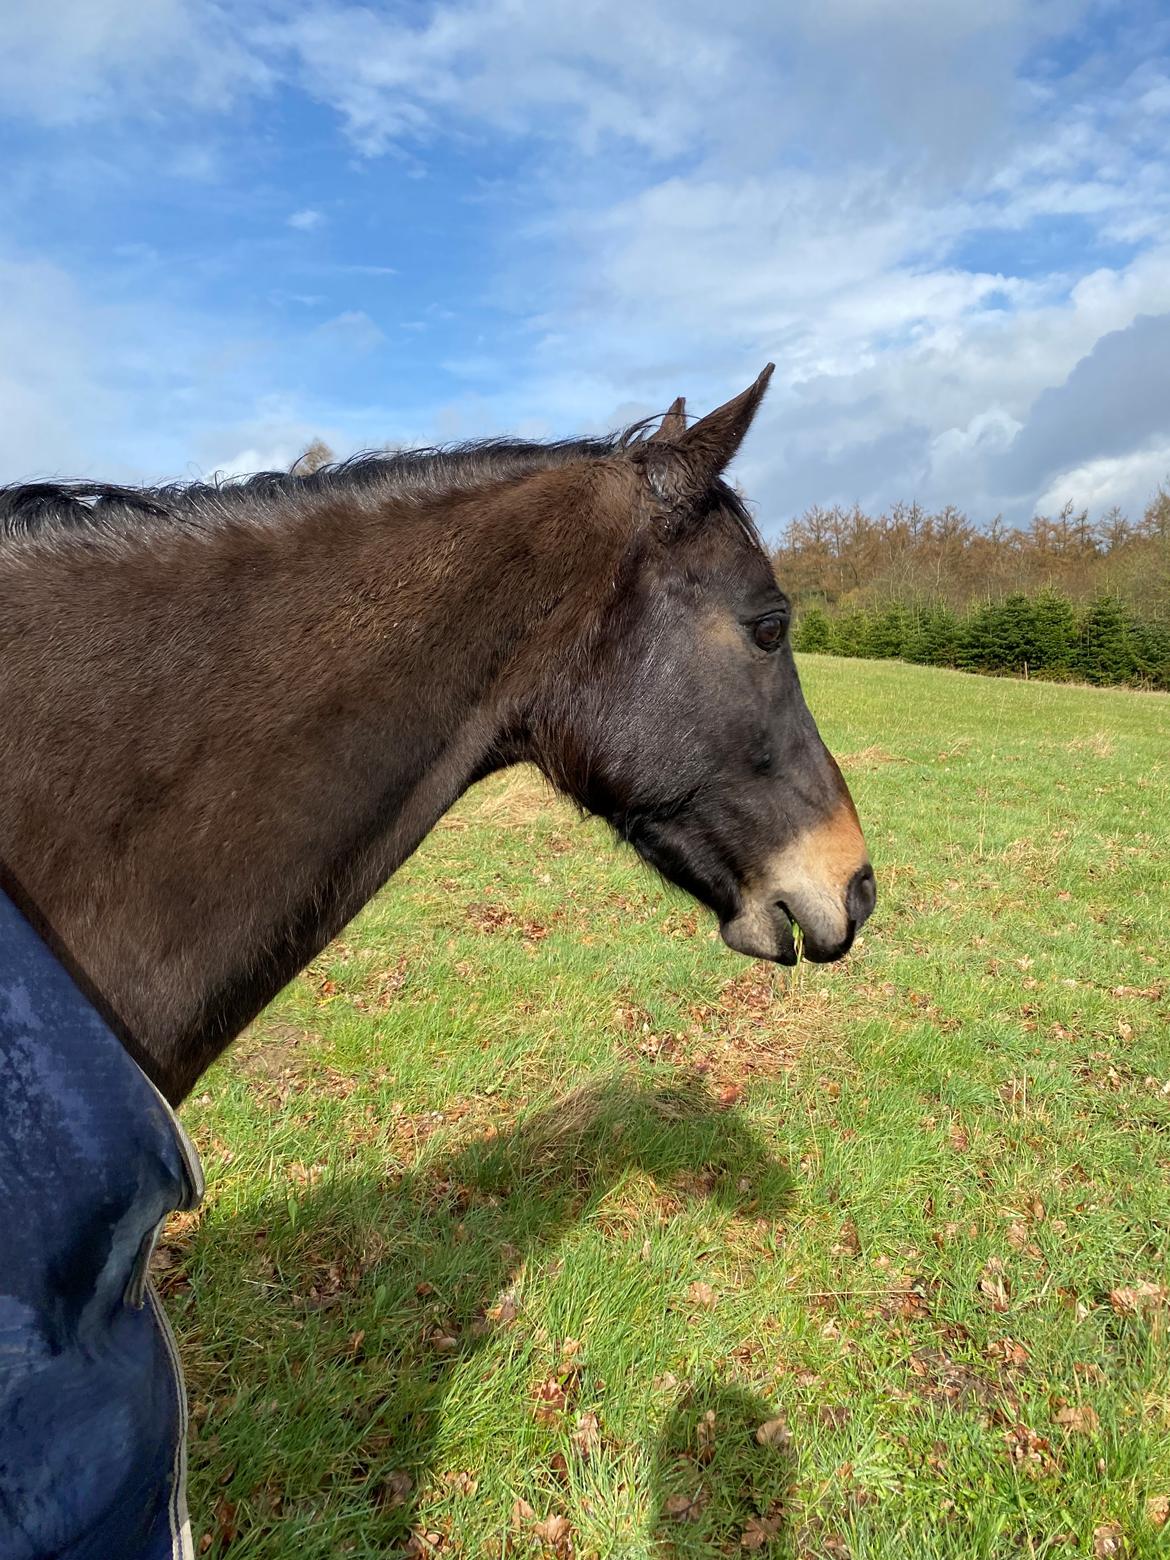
(228, 714)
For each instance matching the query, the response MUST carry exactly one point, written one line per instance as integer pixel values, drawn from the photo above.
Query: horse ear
(682, 469)
(673, 425)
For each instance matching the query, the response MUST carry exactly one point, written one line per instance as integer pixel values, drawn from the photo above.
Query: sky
(226, 229)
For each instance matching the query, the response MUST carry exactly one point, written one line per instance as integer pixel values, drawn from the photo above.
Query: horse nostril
(861, 896)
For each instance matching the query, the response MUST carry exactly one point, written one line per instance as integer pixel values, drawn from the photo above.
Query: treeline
(1059, 598)
(847, 557)
(1045, 635)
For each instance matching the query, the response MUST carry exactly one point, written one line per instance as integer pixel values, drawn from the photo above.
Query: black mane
(47, 508)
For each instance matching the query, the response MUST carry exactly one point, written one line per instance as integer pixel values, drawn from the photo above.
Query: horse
(229, 711)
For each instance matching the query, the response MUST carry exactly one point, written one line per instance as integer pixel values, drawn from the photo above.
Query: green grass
(530, 1203)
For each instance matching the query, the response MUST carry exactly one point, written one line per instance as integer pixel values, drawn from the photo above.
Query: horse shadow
(361, 1303)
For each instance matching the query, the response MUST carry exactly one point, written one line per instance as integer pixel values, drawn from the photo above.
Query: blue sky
(225, 229)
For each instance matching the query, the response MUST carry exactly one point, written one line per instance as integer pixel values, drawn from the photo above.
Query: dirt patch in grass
(273, 1052)
(513, 800)
(868, 758)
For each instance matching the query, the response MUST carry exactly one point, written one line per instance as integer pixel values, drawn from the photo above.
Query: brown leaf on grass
(685, 1508)
(522, 1512)
(960, 1142)
(848, 1244)
(1139, 1298)
(729, 1095)
(1108, 1540)
(1158, 1510)
(1010, 1352)
(423, 1541)
(774, 1432)
(396, 1489)
(705, 1437)
(551, 1401)
(833, 1416)
(225, 1516)
(760, 1531)
(587, 1434)
(1031, 1453)
(701, 1294)
(993, 1287)
(461, 1483)
(555, 1531)
(1078, 1418)
(490, 918)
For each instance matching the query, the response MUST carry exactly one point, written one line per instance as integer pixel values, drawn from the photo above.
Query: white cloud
(352, 331)
(1129, 481)
(850, 187)
(79, 60)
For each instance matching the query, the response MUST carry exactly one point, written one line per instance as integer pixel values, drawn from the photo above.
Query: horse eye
(769, 631)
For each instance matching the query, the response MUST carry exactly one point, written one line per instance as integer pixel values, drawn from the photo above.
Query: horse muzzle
(829, 920)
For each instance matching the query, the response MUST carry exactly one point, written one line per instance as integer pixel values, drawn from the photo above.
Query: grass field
(539, 1223)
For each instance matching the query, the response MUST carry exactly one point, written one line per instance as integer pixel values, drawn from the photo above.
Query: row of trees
(1062, 597)
(1042, 635)
(845, 557)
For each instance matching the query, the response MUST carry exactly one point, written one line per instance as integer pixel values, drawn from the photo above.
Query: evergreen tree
(1011, 635)
(851, 633)
(1055, 626)
(889, 632)
(934, 639)
(1151, 647)
(974, 650)
(1106, 652)
(813, 633)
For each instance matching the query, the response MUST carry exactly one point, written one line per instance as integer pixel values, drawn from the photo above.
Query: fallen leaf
(587, 1434)
(686, 1508)
(848, 1243)
(423, 1541)
(396, 1489)
(1144, 1296)
(993, 1287)
(1107, 1540)
(759, 1531)
(774, 1432)
(701, 1294)
(551, 1401)
(1078, 1419)
(1158, 1510)
(555, 1531)
(225, 1513)
(522, 1512)
(461, 1483)
(1031, 1452)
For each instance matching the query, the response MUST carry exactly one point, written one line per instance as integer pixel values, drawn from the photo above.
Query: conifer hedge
(1042, 635)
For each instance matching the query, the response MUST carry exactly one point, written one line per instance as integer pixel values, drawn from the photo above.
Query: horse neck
(297, 709)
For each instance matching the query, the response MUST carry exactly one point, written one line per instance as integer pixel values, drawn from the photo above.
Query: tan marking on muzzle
(811, 875)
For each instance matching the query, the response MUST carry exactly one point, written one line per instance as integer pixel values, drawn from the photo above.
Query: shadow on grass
(324, 1338)
(719, 1484)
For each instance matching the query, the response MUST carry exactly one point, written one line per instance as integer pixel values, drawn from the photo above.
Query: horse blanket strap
(92, 1159)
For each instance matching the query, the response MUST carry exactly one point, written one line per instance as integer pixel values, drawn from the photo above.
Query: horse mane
(60, 509)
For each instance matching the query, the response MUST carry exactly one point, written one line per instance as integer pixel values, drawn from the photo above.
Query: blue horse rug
(92, 1159)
